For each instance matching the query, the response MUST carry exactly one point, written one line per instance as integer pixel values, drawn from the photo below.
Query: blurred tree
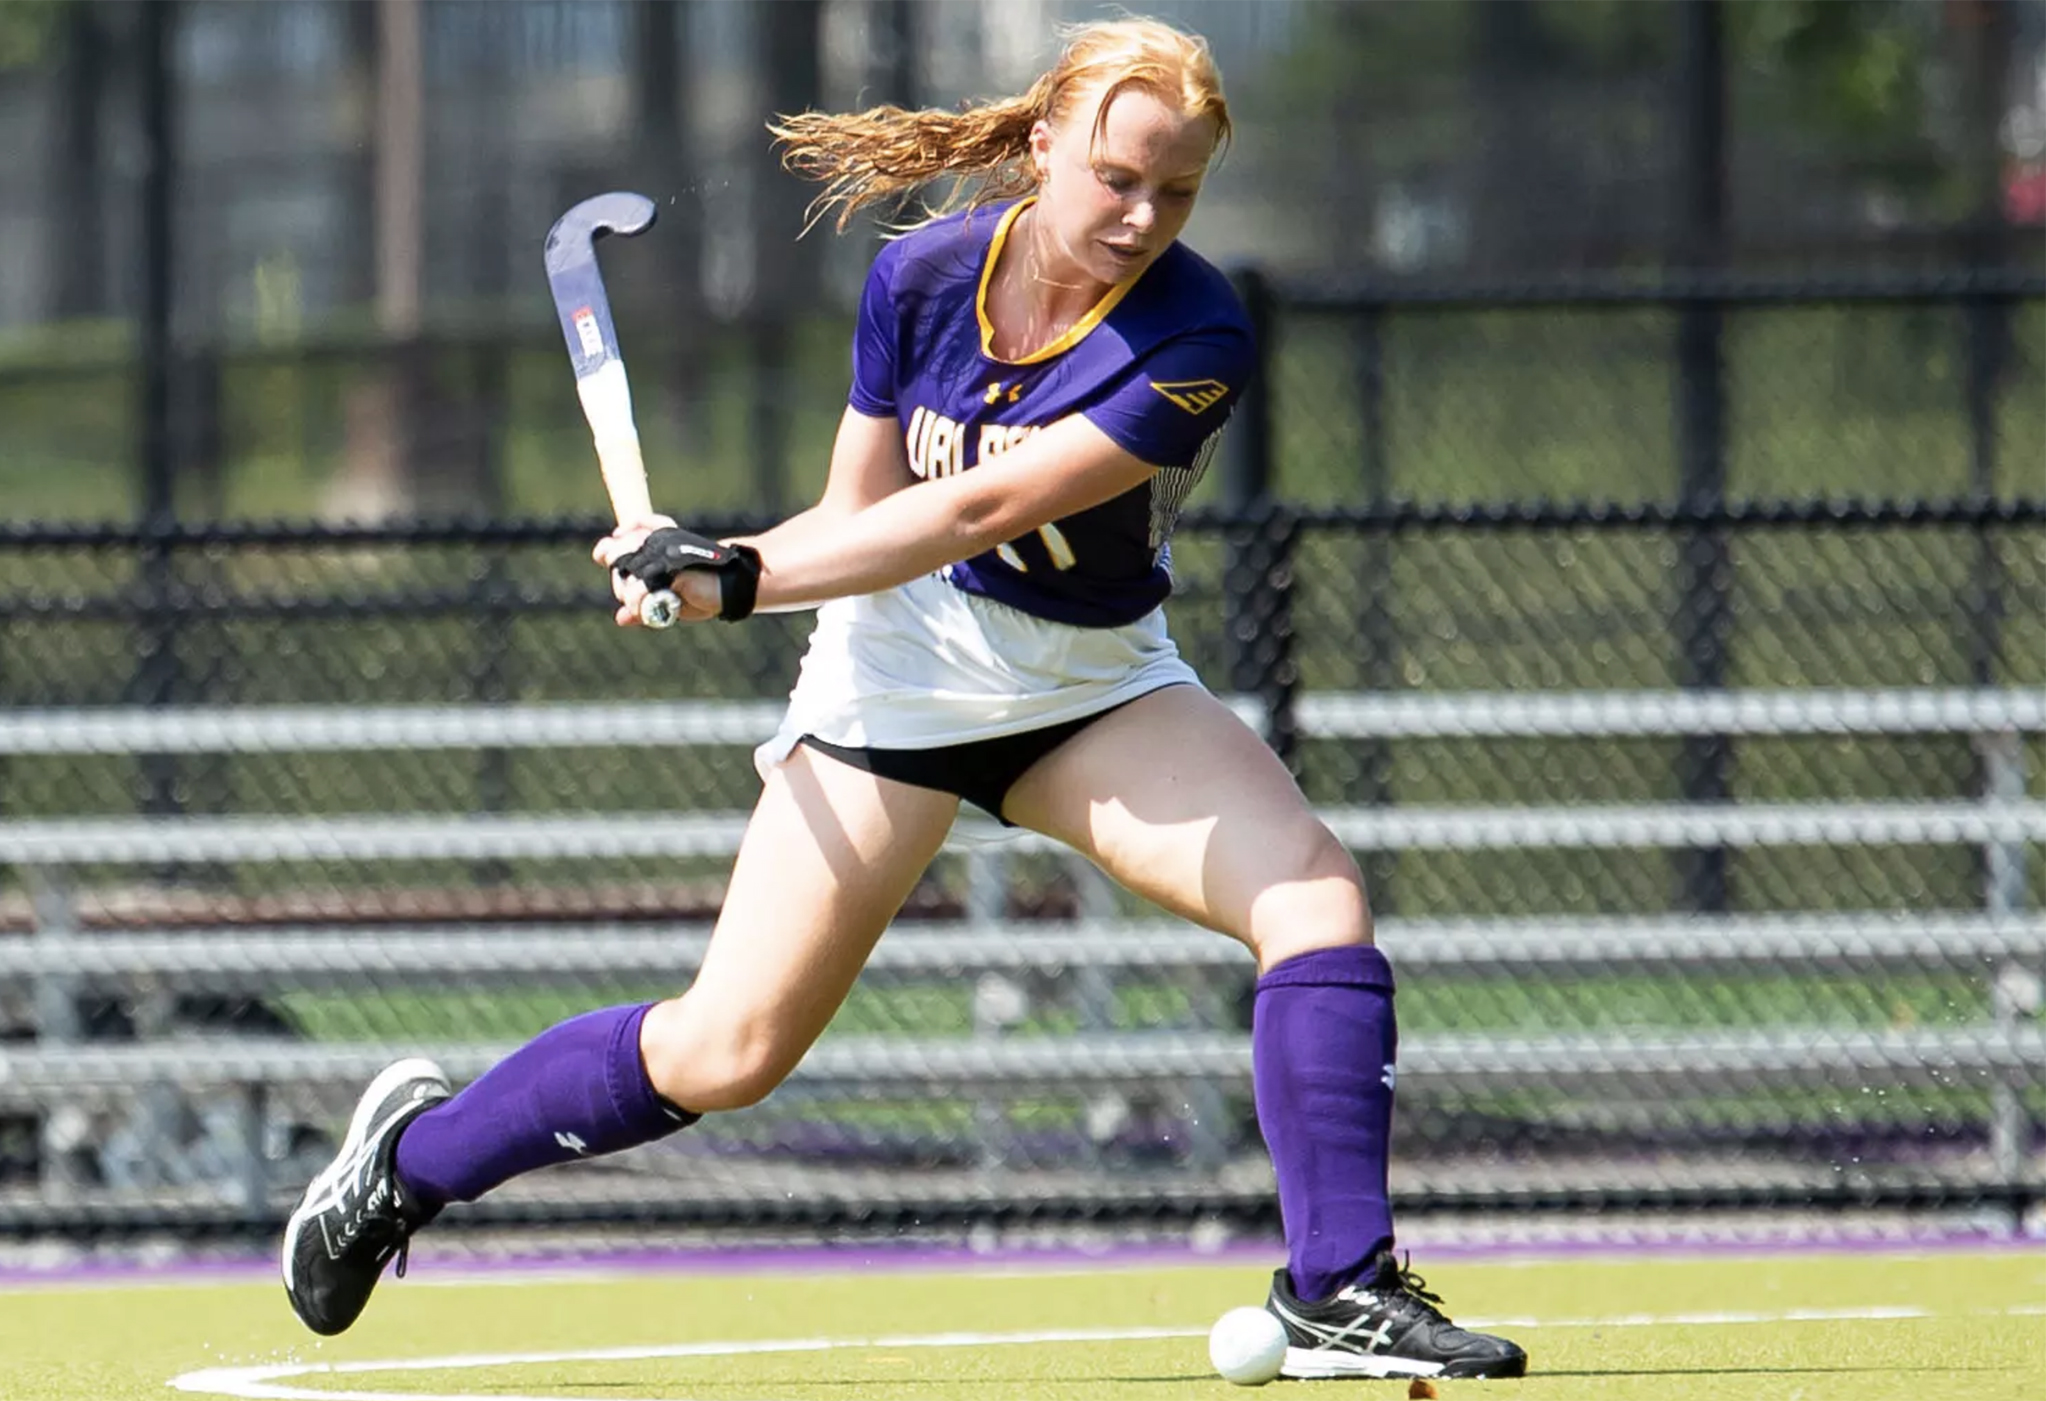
(1365, 96)
(75, 238)
(1519, 108)
(664, 161)
(1854, 79)
(790, 73)
(1858, 65)
(381, 473)
(896, 41)
(30, 30)
(1512, 54)
(786, 272)
(1984, 33)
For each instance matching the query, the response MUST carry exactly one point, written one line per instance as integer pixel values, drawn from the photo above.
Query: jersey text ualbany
(937, 444)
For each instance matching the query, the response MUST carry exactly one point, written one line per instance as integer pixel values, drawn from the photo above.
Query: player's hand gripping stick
(669, 551)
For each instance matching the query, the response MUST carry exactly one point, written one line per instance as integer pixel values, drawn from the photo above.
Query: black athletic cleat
(1387, 1324)
(355, 1216)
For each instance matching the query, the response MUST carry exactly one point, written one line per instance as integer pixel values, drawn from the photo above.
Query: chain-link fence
(281, 804)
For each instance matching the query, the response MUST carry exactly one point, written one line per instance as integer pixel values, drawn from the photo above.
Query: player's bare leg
(829, 856)
(1228, 841)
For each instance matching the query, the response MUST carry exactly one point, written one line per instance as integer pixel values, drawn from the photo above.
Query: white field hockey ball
(1247, 1346)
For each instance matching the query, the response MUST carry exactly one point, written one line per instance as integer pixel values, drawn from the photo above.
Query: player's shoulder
(944, 252)
(1184, 296)
(1203, 292)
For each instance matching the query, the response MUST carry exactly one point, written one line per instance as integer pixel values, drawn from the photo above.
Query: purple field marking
(867, 1257)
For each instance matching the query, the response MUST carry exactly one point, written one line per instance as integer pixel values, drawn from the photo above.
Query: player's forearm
(797, 531)
(901, 537)
(845, 496)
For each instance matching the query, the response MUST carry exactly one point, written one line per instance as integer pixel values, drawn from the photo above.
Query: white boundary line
(261, 1383)
(258, 1382)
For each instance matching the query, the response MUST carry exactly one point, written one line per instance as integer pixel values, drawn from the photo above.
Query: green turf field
(1815, 1327)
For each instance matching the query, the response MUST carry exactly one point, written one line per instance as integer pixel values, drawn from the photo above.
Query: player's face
(1112, 204)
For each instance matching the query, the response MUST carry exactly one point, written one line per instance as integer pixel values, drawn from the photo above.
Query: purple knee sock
(577, 1090)
(1323, 1043)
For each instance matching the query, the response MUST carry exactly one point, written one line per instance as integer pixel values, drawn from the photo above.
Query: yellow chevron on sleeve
(1196, 396)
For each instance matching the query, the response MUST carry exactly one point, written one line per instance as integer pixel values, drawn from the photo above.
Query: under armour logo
(572, 1143)
(1390, 1076)
(995, 391)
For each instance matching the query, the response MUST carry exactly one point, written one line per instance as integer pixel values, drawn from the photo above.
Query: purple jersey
(1156, 365)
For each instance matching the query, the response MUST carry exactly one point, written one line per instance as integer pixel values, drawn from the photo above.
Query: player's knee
(753, 1068)
(707, 1061)
(714, 1075)
(744, 1078)
(1315, 900)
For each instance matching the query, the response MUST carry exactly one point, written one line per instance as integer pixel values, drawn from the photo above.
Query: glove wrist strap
(739, 584)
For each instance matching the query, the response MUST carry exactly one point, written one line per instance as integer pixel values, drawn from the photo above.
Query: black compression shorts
(980, 771)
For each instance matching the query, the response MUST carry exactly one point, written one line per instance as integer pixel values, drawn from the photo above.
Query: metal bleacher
(59, 959)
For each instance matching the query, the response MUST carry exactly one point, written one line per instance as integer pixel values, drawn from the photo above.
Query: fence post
(2000, 757)
(1379, 638)
(1704, 621)
(1381, 641)
(156, 220)
(2015, 990)
(767, 336)
(1257, 574)
(787, 44)
(493, 582)
(59, 1022)
(156, 673)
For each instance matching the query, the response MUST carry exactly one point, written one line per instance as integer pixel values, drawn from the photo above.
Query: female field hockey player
(1037, 384)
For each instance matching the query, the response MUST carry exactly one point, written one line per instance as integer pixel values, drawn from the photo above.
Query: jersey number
(1055, 544)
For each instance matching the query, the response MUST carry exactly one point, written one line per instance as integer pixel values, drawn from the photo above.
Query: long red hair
(865, 158)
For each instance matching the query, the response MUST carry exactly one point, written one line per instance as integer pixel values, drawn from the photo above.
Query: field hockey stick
(600, 382)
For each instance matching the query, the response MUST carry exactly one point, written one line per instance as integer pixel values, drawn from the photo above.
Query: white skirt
(927, 665)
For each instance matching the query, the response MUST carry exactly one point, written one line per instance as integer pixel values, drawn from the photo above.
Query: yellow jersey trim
(1072, 335)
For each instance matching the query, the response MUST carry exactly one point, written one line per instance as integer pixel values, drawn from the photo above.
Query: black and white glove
(671, 549)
